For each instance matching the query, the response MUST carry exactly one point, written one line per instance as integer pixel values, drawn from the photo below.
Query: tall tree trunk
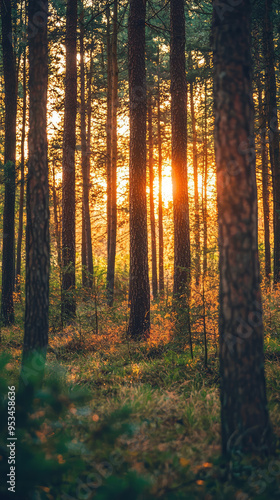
(244, 414)
(86, 213)
(37, 204)
(139, 290)
(109, 140)
(21, 194)
(265, 189)
(114, 158)
(152, 206)
(196, 202)
(56, 221)
(269, 57)
(7, 304)
(160, 221)
(179, 149)
(205, 184)
(68, 309)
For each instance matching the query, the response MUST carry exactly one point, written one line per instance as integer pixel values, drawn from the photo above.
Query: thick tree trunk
(139, 290)
(37, 203)
(244, 414)
(68, 166)
(274, 153)
(114, 159)
(86, 229)
(160, 218)
(196, 202)
(152, 205)
(179, 150)
(21, 194)
(7, 304)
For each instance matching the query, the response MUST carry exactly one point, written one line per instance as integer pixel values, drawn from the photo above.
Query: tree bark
(152, 205)
(179, 149)
(22, 161)
(68, 309)
(114, 159)
(274, 153)
(109, 142)
(196, 201)
(244, 414)
(7, 304)
(139, 291)
(37, 202)
(86, 236)
(160, 218)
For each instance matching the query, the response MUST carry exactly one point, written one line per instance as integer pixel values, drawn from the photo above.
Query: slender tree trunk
(114, 158)
(68, 166)
(196, 202)
(152, 206)
(109, 140)
(37, 205)
(205, 185)
(139, 290)
(21, 194)
(274, 153)
(56, 220)
(244, 414)
(86, 236)
(7, 304)
(179, 150)
(265, 188)
(160, 221)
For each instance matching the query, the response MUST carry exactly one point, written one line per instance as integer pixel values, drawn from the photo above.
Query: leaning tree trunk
(7, 304)
(152, 205)
(37, 204)
(274, 152)
(139, 291)
(179, 149)
(68, 309)
(244, 414)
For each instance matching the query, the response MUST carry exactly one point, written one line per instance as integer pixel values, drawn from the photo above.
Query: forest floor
(132, 421)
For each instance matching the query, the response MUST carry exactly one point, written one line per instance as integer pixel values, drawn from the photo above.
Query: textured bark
(264, 167)
(152, 205)
(86, 229)
(160, 218)
(37, 197)
(244, 414)
(68, 166)
(21, 194)
(7, 304)
(196, 202)
(179, 149)
(114, 159)
(274, 153)
(139, 291)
